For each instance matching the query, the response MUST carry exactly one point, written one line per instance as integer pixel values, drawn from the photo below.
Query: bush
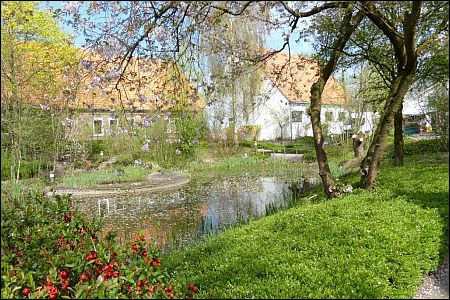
(249, 132)
(28, 168)
(51, 250)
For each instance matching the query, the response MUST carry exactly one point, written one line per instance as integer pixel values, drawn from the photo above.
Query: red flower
(151, 290)
(64, 274)
(52, 290)
(67, 218)
(82, 230)
(155, 262)
(140, 283)
(91, 256)
(26, 292)
(192, 287)
(84, 277)
(170, 288)
(171, 295)
(65, 284)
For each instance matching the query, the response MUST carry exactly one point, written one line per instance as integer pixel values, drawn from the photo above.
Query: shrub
(28, 168)
(51, 250)
(249, 132)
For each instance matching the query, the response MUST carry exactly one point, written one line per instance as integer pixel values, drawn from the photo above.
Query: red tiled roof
(146, 85)
(295, 75)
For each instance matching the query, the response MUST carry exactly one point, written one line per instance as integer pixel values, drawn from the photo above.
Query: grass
(365, 245)
(128, 173)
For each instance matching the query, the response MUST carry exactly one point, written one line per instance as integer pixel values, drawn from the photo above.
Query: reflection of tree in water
(160, 217)
(177, 218)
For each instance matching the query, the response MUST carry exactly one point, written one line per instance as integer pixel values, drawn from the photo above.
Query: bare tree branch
(228, 11)
(315, 10)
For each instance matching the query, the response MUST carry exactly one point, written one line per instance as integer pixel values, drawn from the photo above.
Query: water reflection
(180, 217)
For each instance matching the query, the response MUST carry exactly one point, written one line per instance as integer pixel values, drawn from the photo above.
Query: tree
(35, 55)
(175, 24)
(234, 83)
(416, 26)
(161, 29)
(433, 74)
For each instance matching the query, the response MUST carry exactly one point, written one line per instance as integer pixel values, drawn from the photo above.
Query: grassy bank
(89, 179)
(365, 245)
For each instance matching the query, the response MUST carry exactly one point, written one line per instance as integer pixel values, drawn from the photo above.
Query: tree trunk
(348, 26)
(398, 137)
(369, 167)
(358, 145)
(314, 112)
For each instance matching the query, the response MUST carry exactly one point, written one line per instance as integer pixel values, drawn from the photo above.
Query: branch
(388, 29)
(129, 54)
(440, 28)
(429, 13)
(349, 25)
(226, 10)
(367, 56)
(410, 22)
(315, 10)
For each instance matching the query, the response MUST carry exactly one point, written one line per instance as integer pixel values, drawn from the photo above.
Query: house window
(98, 126)
(297, 116)
(113, 124)
(329, 116)
(341, 116)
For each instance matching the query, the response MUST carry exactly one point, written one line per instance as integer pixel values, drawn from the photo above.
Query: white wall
(276, 106)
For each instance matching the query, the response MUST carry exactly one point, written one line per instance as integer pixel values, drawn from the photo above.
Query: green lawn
(364, 245)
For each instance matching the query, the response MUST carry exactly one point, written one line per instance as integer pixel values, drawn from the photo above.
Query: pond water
(182, 217)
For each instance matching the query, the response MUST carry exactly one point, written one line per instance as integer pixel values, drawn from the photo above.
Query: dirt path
(435, 285)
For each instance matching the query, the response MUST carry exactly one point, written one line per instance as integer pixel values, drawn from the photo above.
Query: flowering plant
(50, 250)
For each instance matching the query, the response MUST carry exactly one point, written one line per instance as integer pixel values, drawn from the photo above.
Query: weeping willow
(235, 79)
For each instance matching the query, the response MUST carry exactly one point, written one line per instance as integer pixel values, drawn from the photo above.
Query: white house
(281, 109)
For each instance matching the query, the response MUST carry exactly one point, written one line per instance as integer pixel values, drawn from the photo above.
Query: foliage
(249, 132)
(190, 129)
(357, 246)
(438, 103)
(29, 168)
(114, 175)
(50, 250)
(36, 59)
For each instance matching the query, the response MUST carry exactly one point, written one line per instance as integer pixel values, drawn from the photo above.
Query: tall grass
(128, 173)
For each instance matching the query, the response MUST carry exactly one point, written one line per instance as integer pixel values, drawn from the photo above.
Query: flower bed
(49, 250)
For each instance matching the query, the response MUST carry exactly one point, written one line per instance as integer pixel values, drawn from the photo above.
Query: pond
(183, 216)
